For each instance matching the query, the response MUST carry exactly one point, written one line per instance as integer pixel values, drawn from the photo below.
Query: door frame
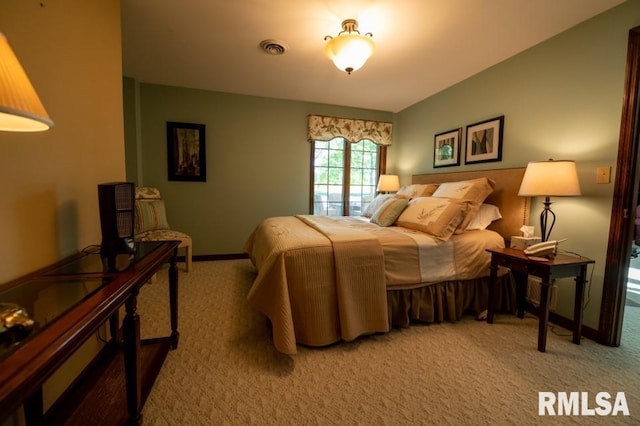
(625, 195)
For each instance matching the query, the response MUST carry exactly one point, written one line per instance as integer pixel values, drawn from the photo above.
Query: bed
(323, 279)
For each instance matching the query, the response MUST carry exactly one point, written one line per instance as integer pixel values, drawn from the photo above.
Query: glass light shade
(20, 107)
(388, 183)
(349, 51)
(550, 179)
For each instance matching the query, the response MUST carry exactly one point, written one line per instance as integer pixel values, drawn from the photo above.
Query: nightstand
(563, 265)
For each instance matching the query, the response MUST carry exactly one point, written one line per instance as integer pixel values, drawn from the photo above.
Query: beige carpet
(226, 372)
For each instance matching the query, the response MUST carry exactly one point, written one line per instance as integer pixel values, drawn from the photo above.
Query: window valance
(323, 128)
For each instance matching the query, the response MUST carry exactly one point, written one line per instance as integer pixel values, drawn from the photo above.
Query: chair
(151, 222)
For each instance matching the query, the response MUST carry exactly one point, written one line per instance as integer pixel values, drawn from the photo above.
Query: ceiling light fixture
(20, 107)
(349, 50)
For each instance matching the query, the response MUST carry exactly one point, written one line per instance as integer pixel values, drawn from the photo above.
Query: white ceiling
(422, 46)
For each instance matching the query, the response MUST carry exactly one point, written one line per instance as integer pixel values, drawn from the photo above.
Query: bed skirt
(449, 300)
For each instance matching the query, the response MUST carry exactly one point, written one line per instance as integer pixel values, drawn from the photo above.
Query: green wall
(258, 159)
(132, 130)
(561, 99)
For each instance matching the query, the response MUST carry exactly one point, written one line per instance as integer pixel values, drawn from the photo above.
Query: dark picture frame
(446, 148)
(484, 141)
(186, 152)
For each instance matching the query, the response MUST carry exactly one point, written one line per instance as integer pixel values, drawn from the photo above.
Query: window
(344, 176)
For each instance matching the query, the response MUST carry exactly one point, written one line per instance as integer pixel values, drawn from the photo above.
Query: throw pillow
(150, 215)
(475, 191)
(389, 211)
(438, 217)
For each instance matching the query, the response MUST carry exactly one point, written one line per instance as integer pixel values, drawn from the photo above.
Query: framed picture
(186, 152)
(446, 148)
(484, 141)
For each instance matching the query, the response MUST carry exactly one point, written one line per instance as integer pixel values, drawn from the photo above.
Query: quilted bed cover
(324, 279)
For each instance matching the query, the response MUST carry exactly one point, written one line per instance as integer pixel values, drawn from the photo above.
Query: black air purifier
(117, 220)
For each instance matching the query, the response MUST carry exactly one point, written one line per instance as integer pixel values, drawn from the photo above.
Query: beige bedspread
(359, 270)
(324, 279)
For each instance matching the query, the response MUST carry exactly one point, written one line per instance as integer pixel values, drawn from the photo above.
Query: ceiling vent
(274, 47)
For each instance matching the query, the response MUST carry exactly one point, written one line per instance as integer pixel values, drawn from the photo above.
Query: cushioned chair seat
(170, 234)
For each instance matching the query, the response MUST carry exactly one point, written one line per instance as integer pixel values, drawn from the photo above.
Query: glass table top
(49, 295)
(93, 263)
(44, 301)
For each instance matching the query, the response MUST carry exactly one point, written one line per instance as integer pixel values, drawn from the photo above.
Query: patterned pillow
(475, 191)
(438, 217)
(150, 216)
(389, 211)
(418, 190)
(375, 204)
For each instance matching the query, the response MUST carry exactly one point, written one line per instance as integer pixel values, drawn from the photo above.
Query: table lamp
(20, 107)
(388, 183)
(549, 179)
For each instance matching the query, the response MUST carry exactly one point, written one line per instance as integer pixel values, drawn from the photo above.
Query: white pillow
(487, 214)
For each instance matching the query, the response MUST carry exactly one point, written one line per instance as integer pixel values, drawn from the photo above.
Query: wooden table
(89, 294)
(563, 265)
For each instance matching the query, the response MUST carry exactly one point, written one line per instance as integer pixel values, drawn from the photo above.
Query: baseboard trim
(209, 257)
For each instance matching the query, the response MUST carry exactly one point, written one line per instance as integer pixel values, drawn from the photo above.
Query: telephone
(548, 249)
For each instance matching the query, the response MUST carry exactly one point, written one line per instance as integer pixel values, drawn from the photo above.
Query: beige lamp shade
(388, 183)
(20, 107)
(550, 179)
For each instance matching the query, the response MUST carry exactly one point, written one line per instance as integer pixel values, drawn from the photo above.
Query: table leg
(131, 334)
(173, 300)
(545, 296)
(521, 291)
(114, 329)
(577, 308)
(493, 278)
(33, 409)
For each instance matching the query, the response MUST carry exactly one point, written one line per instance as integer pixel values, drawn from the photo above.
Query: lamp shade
(349, 52)
(20, 107)
(550, 179)
(388, 183)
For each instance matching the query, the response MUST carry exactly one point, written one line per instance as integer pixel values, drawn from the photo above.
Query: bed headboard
(514, 209)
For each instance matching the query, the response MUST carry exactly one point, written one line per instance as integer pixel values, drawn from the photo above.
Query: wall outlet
(603, 174)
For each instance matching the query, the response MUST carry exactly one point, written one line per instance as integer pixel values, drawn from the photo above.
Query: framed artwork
(484, 141)
(446, 148)
(186, 152)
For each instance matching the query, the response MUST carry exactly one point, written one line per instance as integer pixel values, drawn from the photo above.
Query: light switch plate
(603, 174)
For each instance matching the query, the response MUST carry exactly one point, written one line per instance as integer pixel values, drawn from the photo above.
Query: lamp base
(544, 220)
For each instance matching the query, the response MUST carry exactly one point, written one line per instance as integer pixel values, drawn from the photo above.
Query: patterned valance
(323, 128)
